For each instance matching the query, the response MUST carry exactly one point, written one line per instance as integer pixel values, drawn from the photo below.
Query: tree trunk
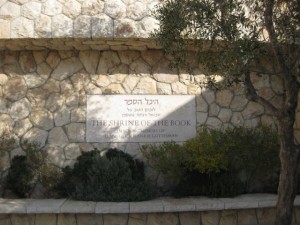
(288, 180)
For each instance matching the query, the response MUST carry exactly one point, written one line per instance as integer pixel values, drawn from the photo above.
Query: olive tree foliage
(234, 38)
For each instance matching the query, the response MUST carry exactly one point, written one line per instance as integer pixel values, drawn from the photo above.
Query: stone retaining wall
(43, 96)
(242, 210)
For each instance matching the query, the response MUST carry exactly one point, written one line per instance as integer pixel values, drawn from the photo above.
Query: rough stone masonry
(53, 53)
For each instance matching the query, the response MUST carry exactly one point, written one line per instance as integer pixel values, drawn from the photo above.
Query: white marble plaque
(140, 118)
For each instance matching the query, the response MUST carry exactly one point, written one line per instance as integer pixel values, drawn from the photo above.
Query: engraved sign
(140, 118)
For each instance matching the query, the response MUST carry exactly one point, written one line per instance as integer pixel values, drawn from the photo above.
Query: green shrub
(168, 158)
(26, 171)
(112, 177)
(221, 162)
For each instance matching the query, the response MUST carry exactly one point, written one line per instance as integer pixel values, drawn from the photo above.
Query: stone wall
(43, 96)
(265, 216)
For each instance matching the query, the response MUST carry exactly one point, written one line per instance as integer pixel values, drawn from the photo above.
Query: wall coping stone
(162, 205)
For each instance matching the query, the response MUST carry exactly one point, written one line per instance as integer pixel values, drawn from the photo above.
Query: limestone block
(92, 89)
(214, 109)
(72, 100)
(228, 217)
(125, 28)
(179, 88)
(27, 62)
(89, 59)
(247, 217)
(102, 26)
(260, 80)
(5, 219)
(252, 110)
(210, 218)
(5, 28)
(56, 155)
(254, 122)
(147, 25)
(20, 109)
(130, 82)
(22, 126)
(62, 116)
(72, 151)
(66, 68)
(44, 70)
(92, 7)
(89, 219)
(225, 115)
(10, 10)
(163, 219)
(116, 9)
(117, 219)
(43, 26)
(6, 123)
(3, 77)
(53, 59)
(22, 27)
(15, 88)
(209, 96)
(127, 57)
(213, 122)
(22, 219)
(114, 89)
(267, 121)
(163, 88)
(76, 132)
(266, 92)
(146, 86)
(190, 218)
(66, 86)
(162, 72)
(57, 136)
(109, 60)
(34, 80)
(119, 75)
(52, 7)
(201, 118)
(45, 219)
(277, 101)
(4, 105)
(136, 221)
(266, 215)
(100, 80)
(201, 104)
(152, 57)
(62, 26)
(66, 219)
(237, 119)
(238, 103)
(42, 119)
(36, 135)
(140, 67)
(71, 8)
(137, 11)
(79, 81)
(31, 10)
(78, 115)
(224, 97)
(37, 97)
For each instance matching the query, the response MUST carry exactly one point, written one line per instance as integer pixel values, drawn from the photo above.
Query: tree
(233, 38)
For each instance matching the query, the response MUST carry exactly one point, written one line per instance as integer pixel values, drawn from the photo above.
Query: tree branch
(252, 95)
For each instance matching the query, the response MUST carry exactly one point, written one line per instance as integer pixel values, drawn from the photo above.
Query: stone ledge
(162, 205)
(99, 44)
